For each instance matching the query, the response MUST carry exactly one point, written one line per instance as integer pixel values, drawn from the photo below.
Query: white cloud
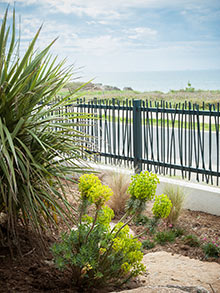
(111, 34)
(141, 33)
(97, 46)
(114, 9)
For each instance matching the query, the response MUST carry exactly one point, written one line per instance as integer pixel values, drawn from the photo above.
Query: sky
(124, 35)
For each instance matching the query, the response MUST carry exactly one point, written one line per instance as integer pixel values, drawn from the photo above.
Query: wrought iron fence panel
(180, 140)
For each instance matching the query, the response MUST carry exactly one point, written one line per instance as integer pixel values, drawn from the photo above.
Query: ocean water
(162, 81)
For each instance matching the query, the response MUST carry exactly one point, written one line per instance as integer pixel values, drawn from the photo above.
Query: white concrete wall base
(199, 197)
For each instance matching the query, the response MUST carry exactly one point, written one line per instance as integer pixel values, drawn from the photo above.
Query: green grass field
(173, 97)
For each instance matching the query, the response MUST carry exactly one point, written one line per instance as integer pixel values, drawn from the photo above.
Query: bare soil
(32, 269)
(205, 227)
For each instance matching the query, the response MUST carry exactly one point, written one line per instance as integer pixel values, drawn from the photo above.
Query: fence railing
(180, 140)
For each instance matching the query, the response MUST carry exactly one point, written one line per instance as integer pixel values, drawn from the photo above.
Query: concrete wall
(199, 197)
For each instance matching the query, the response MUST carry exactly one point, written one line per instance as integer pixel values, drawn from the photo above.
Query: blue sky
(125, 35)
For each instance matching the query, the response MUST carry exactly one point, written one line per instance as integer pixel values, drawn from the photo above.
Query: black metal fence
(180, 139)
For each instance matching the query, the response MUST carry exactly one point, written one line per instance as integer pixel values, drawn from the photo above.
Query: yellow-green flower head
(118, 244)
(162, 206)
(125, 267)
(135, 256)
(105, 216)
(138, 268)
(124, 233)
(102, 250)
(143, 186)
(99, 194)
(87, 219)
(86, 182)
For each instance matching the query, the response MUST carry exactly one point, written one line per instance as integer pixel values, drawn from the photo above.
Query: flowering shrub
(211, 249)
(97, 254)
(142, 189)
(99, 194)
(162, 206)
(86, 182)
(143, 186)
(105, 216)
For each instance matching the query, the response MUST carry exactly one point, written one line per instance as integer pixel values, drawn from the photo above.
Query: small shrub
(142, 189)
(178, 231)
(176, 195)
(148, 244)
(141, 220)
(96, 254)
(191, 240)
(211, 249)
(119, 183)
(143, 185)
(162, 206)
(165, 236)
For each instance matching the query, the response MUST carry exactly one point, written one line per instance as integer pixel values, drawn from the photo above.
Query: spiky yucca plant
(33, 156)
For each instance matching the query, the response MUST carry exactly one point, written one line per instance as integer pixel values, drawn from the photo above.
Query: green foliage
(105, 216)
(142, 189)
(178, 231)
(165, 236)
(92, 190)
(191, 240)
(99, 194)
(93, 261)
(162, 206)
(86, 182)
(34, 157)
(176, 195)
(143, 186)
(189, 88)
(148, 244)
(141, 220)
(195, 96)
(211, 249)
(96, 254)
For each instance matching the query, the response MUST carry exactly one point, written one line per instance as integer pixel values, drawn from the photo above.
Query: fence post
(95, 125)
(137, 136)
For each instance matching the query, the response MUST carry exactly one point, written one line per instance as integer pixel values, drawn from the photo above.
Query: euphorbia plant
(97, 254)
(142, 189)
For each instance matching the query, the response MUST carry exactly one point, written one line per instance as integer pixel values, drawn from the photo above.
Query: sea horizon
(162, 81)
